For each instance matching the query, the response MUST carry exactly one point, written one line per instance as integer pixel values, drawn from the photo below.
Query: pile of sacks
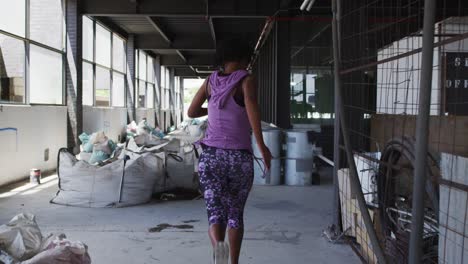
(128, 178)
(144, 134)
(182, 155)
(96, 148)
(21, 242)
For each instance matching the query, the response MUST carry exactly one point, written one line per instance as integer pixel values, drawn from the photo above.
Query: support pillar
(283, 74)
(130, 83)
(73, 75)
(422, 130)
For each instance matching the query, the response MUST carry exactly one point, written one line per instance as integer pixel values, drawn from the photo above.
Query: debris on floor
(164, 226)
(21, 242)
(180, 195)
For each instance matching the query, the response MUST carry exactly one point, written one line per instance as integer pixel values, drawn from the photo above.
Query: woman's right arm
(196, 110)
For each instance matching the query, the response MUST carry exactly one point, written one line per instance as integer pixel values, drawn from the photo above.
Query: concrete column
(73, 74)
(172, 108)
(131, 112)
(283, 68)
(158, 99)
(182, 108)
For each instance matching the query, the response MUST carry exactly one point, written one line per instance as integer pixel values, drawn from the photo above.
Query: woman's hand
(266, 154)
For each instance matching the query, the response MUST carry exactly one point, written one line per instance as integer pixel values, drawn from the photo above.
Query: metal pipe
(304, 4)
(355, 184)
(422, 128)
(336, 138)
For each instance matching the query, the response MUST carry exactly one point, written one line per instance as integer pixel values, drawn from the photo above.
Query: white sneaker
(221, 254)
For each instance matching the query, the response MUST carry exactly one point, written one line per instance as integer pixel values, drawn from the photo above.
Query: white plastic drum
(299, 165)
(272, 138)
(298, 172)
(299, 144)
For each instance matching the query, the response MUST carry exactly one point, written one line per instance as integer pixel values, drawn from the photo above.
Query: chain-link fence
(383, 83)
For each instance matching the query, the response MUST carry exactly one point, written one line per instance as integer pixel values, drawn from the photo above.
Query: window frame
(26, 67)
(111, 69)
(147, 82)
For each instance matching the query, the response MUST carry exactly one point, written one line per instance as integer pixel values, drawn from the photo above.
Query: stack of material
(367, 167)
(128, 179)
(182, 154)
(453, 213)
(21, 242)
(144, 134)
(96, 148)
(351, 216)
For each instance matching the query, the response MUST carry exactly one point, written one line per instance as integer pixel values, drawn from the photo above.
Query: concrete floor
(283, 225)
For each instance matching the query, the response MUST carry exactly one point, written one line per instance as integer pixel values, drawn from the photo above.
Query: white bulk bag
(181, 169)
(128, 180)
(85, 185)
(21, 237)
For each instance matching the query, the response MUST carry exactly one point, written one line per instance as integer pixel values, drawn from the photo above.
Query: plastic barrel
(273, 139)
(299, 165)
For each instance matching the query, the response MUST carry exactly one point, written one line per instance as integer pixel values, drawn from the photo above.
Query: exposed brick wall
(74, 74)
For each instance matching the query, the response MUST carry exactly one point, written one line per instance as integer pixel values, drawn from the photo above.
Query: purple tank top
(228, 124)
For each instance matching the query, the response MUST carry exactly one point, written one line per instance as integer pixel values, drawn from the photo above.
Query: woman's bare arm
(249, 88)
(196, 110)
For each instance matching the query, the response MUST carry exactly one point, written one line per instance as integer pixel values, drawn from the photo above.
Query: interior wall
(149, 114)
(398, 81)
(34, 129)
(110, 120)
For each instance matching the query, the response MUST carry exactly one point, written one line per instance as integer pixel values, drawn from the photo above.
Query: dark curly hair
(237, 49)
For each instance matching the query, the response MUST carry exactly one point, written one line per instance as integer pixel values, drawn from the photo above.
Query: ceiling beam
(285, 3)
(184, 8)
(176, 61)
(159, 29)
(181, 55)
(212, 30)
(154, 41)
(187, 72)
(181, 15)
(208, 51)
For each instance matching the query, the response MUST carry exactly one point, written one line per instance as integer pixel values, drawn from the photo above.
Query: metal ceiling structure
(184, 33)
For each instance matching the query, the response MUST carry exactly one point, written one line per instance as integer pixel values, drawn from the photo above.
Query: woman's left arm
(249, 88)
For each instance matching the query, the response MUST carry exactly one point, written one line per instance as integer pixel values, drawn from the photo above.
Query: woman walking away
(226, 163)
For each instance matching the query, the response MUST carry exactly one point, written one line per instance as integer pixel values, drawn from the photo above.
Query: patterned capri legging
(226, 176)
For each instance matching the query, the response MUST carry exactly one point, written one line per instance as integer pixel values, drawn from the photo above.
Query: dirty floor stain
(164, 226)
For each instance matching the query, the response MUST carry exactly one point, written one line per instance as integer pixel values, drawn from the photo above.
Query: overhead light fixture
(311, 3)
(304, 4)
(307, 5)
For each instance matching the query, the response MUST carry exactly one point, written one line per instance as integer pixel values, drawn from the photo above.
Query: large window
(145, 79)
(88, 84)
(32, 51)
(46, 70)
(47, 22)
(104, 66)
(88, 39)
(13, 17)
(103, 90)
(12, 61)
(103, 46)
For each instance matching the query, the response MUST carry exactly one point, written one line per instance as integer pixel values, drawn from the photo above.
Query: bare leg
(235, 243)
(217, 233)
